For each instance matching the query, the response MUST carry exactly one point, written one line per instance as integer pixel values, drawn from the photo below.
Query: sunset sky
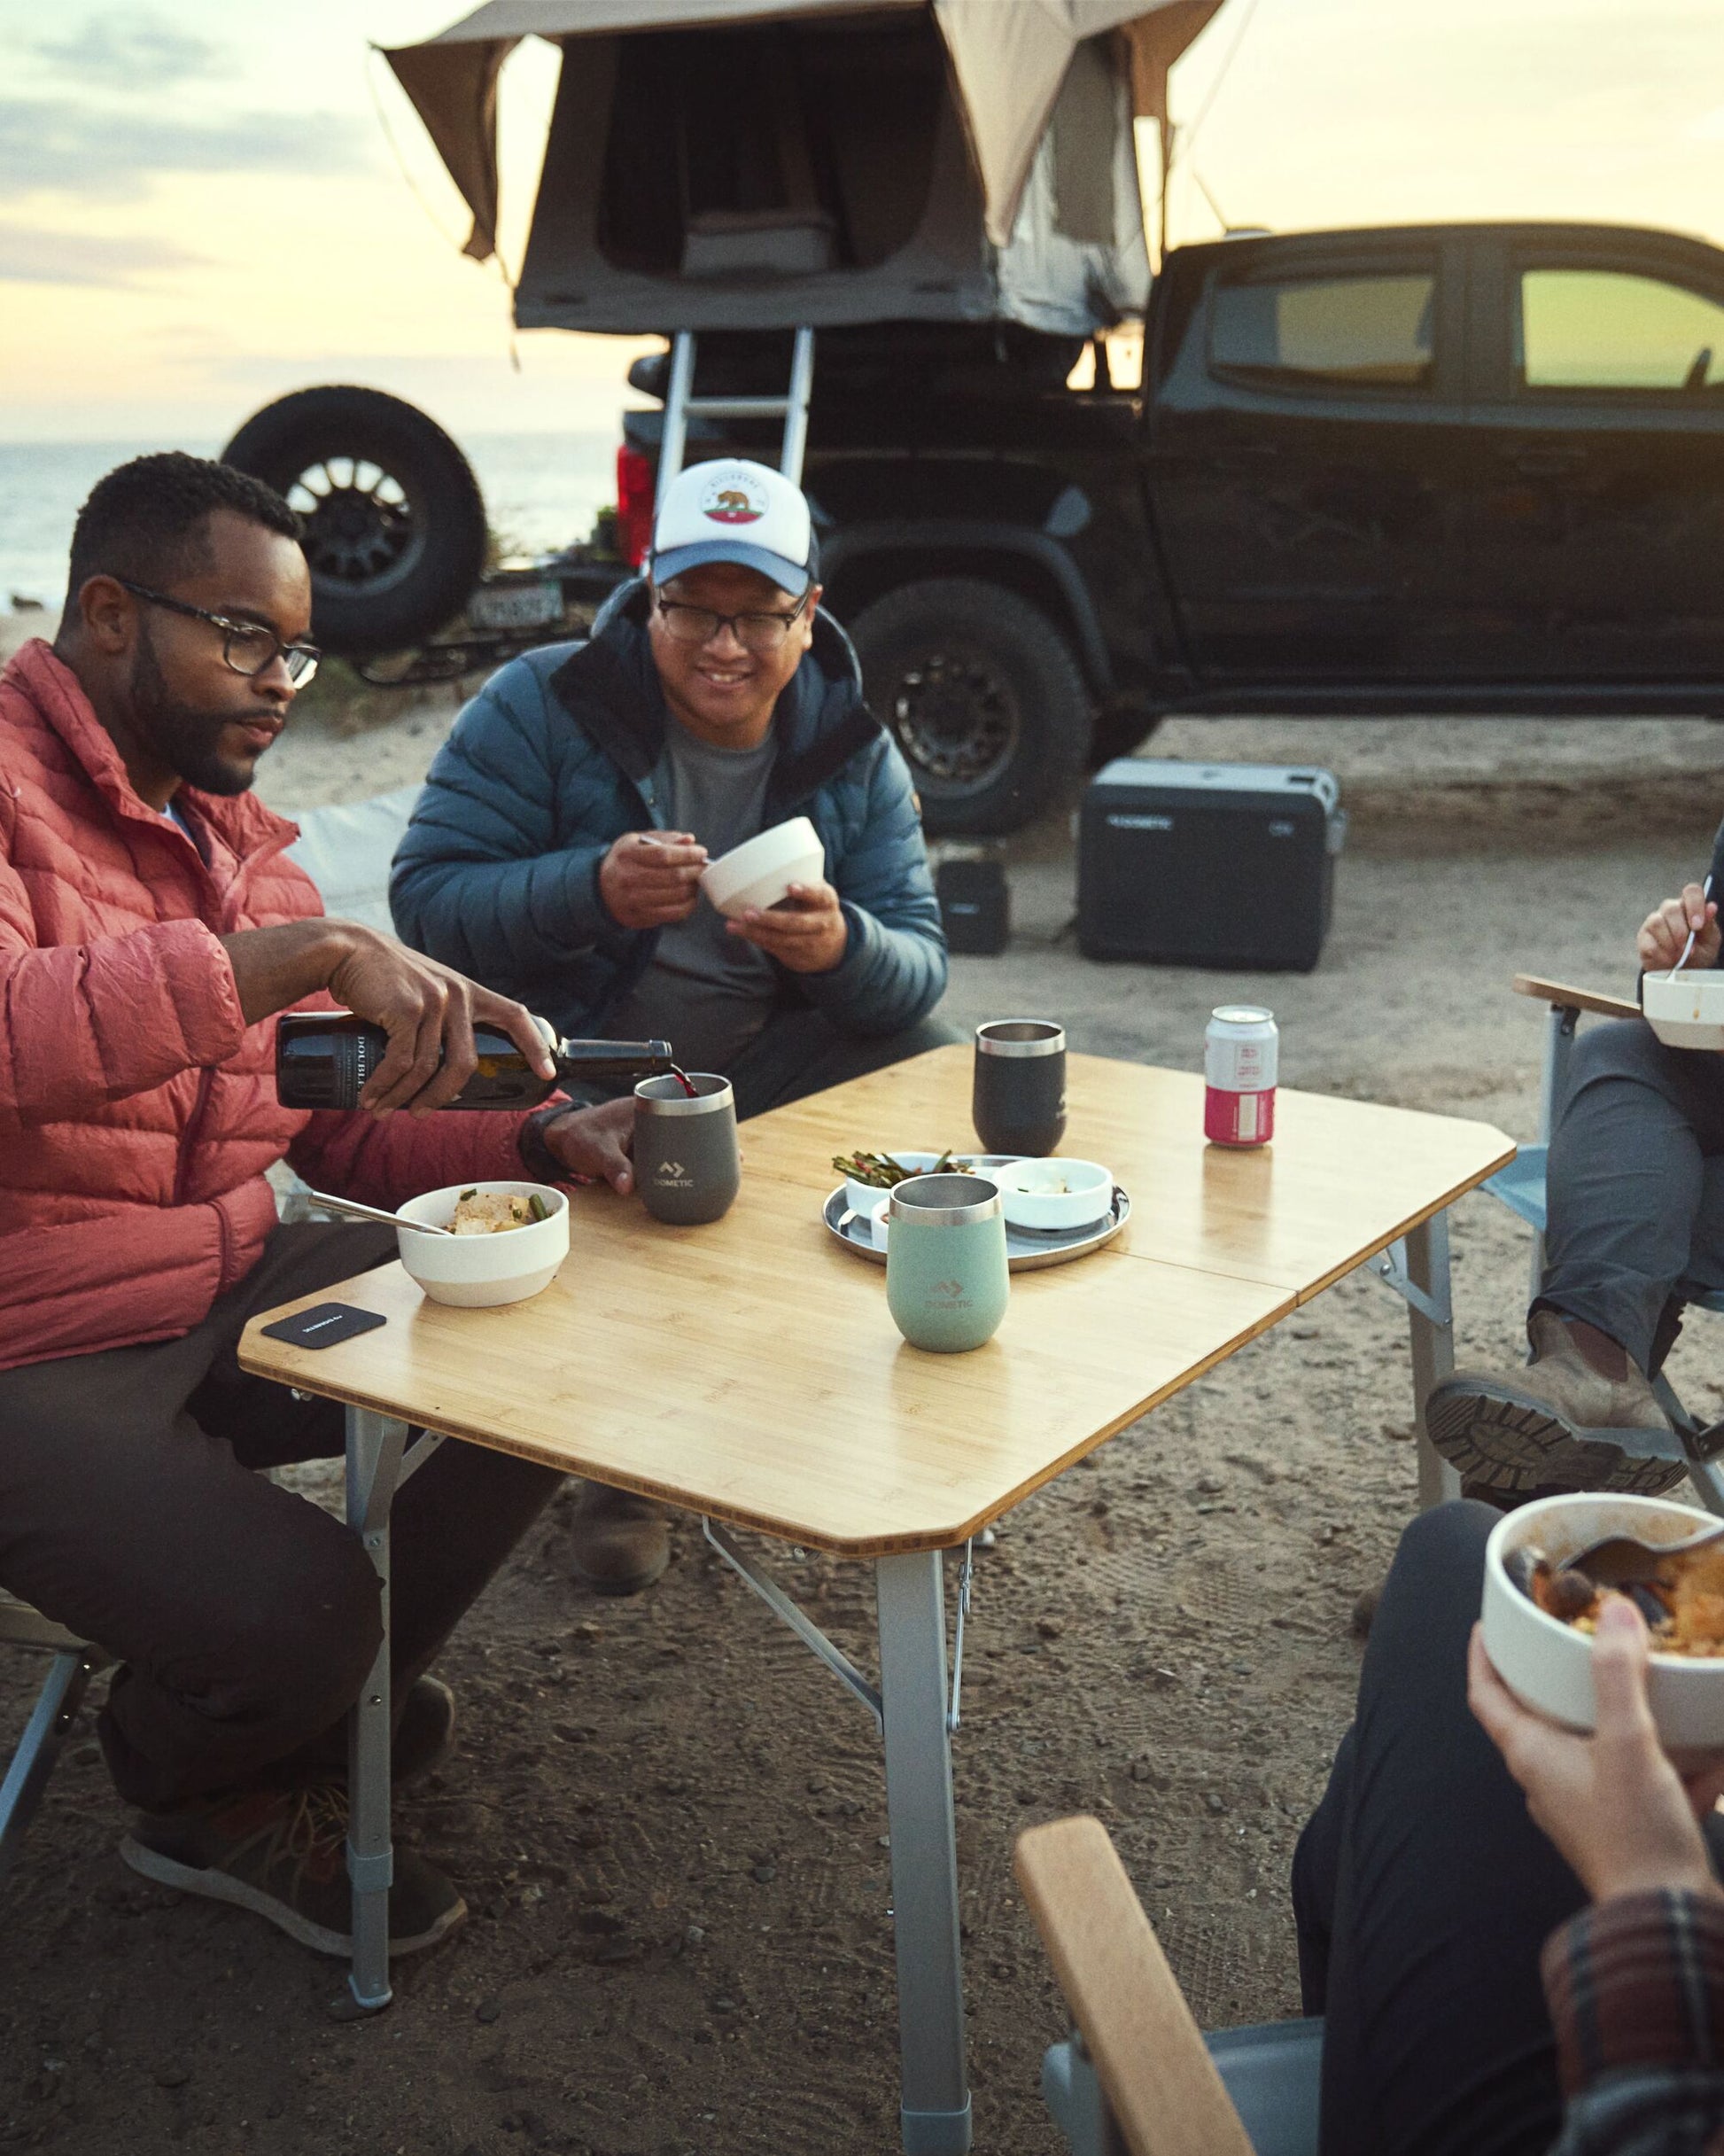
(200, 209)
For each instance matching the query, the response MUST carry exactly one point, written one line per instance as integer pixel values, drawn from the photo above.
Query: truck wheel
(982, 695)
(395, 531)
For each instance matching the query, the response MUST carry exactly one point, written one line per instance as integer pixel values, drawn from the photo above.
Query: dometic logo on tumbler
(671, 1175)
(734, 501)
(948, 1294)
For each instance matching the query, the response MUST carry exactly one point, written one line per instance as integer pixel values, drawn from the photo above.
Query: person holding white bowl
(1515, 1932)
(561, 846)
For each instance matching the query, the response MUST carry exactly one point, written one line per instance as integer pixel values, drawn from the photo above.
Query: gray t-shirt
(706, 991)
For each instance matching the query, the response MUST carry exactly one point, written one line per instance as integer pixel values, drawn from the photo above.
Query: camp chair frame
(74, 1662)
(1521, 1187)
(1137, 2078)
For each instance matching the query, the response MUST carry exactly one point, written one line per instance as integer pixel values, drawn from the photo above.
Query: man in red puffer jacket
(151, 929)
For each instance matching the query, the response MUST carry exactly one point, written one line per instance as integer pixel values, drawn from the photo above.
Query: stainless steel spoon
(1614, 1559)
(356, 1211)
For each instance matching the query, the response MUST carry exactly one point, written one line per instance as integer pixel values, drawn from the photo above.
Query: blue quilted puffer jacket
(562, 750)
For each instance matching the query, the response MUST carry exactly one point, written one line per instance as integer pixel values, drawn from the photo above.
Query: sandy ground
(669, 1820)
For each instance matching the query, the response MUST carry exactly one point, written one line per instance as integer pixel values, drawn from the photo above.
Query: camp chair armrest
(1562, 998)
(1161, 2085)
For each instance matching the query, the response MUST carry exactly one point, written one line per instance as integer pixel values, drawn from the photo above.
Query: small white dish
(1547, 1664)
(1685, 1010)
(761, 870)
(1044, 1194)
(480, 1271)
(879, 1222)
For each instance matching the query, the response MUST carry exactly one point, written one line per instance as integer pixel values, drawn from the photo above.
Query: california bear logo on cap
(735, 500)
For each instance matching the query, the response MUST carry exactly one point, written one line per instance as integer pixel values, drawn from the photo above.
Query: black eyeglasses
(757, 632)
(246, 646)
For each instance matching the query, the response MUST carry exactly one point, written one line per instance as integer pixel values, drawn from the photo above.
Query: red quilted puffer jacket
(137, 1110)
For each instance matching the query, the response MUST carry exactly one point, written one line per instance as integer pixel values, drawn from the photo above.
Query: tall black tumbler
(1018, 1104)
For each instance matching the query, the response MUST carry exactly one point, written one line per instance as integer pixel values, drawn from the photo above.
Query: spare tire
(395, 530)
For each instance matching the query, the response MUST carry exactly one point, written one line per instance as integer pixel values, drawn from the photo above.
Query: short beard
(183, 739)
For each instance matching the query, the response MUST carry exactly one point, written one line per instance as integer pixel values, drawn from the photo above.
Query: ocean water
(541, 491)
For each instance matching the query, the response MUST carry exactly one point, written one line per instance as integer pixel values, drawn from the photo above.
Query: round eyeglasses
(246, 646)
(760, 634)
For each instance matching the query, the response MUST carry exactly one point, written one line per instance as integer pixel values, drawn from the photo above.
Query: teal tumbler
(946, 1279)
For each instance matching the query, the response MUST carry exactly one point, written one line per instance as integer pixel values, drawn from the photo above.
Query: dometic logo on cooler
(1140, 823)
(733, 501)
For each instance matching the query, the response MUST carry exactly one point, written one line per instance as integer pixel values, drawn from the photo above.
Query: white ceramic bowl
(880, 1221)
(1029, 1202)
(477, 1272)
(1546, 1663)
(1685, 1010)
(761, 870)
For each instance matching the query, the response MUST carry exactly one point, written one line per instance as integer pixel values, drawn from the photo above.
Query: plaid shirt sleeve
(1636, 1993)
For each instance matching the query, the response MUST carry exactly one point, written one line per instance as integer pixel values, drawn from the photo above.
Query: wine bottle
(323, 1058)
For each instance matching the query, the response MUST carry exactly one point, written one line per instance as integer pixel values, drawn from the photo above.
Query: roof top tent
(776, 164)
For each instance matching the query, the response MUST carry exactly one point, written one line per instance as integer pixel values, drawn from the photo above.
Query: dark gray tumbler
(686, 1166)
(1018, 1101)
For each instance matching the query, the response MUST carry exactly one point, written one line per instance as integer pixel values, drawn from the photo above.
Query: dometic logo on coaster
(735, 500)
(948, 1294)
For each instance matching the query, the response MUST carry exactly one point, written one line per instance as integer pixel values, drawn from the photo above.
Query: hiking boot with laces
(621, 1542)
(283, 1853)
(1581, 1416)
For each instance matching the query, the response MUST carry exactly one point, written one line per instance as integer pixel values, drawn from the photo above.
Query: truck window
(1610, 329)
(1368, 332)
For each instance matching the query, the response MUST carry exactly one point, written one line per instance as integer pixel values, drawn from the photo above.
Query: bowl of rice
(509, 1239)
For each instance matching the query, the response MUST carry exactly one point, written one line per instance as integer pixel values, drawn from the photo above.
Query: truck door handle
(1546, 463)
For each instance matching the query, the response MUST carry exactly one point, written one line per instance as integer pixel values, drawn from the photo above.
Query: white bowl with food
(761, 870)
(1547, 1663)
(1686, 1009)
(862, 1197)
(509, 1239)
(1049, 1196)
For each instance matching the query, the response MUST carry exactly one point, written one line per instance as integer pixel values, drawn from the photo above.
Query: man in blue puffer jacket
(556, 852)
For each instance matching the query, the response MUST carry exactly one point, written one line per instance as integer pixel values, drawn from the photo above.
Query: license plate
(515, 606)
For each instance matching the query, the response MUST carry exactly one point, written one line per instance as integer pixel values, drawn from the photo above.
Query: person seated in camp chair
(556, 852)
(1515, 1933)
(1634, 1206)
(151, 929)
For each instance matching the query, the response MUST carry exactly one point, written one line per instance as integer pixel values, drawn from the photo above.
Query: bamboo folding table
(749, 1372)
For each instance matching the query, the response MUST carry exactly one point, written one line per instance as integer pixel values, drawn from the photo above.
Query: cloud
(129, 51)
(53, 143)
(31, 254)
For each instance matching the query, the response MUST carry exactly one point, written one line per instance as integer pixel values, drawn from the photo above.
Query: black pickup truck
(1444, 469)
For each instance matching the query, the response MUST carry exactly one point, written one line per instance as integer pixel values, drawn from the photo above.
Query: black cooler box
(1208, 864)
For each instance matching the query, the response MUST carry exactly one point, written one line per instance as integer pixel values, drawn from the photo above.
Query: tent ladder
(681, 404)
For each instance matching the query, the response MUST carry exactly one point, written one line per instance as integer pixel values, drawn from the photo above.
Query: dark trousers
(1423, 1894)
(800, 1051)
(1636, 1186)
(244, 1617)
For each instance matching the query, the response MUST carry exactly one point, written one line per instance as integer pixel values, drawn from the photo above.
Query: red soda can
(1239, 1056)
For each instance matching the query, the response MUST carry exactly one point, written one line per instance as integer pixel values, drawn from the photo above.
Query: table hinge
(1390, 1267)
(371, 1874)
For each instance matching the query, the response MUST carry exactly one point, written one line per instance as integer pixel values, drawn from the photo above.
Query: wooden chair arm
(1564, 998)
(1160, 2083)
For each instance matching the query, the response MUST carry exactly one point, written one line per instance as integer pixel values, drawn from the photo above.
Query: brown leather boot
(622, 1541)
(1582, 1416)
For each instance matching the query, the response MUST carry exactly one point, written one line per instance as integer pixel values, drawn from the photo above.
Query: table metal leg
(375, 1444)
(936, 2105)
(1433, 1350)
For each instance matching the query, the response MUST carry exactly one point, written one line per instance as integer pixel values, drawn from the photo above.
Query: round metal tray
(1027, 1249)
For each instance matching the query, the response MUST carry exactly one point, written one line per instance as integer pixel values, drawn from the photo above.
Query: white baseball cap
(732, 509)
